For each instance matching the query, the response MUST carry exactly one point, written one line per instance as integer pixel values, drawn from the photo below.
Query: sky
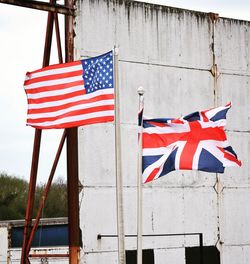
(22, 33)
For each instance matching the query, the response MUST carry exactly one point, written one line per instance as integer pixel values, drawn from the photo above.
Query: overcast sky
(22, 34)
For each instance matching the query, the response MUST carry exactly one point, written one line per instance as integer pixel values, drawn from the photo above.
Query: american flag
(71, 94)
(193, 142)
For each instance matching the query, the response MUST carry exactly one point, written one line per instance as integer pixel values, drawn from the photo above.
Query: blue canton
(98, 73)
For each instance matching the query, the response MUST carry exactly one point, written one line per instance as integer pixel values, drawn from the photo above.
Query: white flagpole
(119, 184)
(139, 181)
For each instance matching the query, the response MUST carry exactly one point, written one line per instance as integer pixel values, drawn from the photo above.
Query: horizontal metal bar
(99, 236)
(49, 255)
(43, 6)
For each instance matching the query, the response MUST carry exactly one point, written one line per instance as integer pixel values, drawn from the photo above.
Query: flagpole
(119, 184)
(140, 92)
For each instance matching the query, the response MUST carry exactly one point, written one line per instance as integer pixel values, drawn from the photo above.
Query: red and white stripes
(57, 98)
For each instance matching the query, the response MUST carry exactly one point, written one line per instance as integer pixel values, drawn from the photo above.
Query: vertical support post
(139, 178)
(119, 183)
(45, 193)
(72, 157)
(58, 39)
(36, 150)
(31, 194)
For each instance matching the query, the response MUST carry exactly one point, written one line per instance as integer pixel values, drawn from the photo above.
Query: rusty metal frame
(49, 255)
(72, 157)
(36, 150)
(45, 194)
(43, 6)
(71, 134)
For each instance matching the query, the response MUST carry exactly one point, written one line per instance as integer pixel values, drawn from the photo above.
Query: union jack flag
(193, 142)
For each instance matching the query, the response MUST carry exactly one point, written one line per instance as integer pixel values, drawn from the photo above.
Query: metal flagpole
(139, 179)
(119, 184)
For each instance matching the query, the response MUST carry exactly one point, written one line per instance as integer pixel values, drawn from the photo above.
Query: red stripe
(89, 121)
(64, 106)
(203, 114)
(72, 113)
(54, 77)
(187, 155)
(162, 140)
(152, 175)
(177, 121)
(56, 66)
(230, 156)
(56, 97)
(53, 87)
(197, 133)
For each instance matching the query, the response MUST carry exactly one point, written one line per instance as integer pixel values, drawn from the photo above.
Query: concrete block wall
(170, 52)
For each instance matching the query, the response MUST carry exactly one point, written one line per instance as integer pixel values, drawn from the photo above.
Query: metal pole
(72, 157)
(139, 180)
(119, 184)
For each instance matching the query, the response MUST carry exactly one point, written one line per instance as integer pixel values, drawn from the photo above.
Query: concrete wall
(170, 52)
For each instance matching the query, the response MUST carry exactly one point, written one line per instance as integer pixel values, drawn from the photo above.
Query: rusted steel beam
(36, 149)
(48, 38)
(31, 192)
(72, 157)
(73, 195)
(43, 6)
(49, 255)
(45, 193)
(58, 39)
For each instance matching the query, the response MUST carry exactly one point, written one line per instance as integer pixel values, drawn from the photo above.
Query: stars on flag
(98, 73)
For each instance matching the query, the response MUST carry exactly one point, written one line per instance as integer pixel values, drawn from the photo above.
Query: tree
(56, 202)
(13, 198)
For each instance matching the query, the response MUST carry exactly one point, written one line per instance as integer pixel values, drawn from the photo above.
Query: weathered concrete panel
(235, 216)
(236, 89)
(169, 92)
(200, 213)
(232, 40)
(235, 255)
(98, 216)
(235, 177)
(103, 257)
(145, 32)
(101, 153)
(96, 155)
(161, 208)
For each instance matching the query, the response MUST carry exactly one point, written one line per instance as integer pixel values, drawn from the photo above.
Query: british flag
(193, 142)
